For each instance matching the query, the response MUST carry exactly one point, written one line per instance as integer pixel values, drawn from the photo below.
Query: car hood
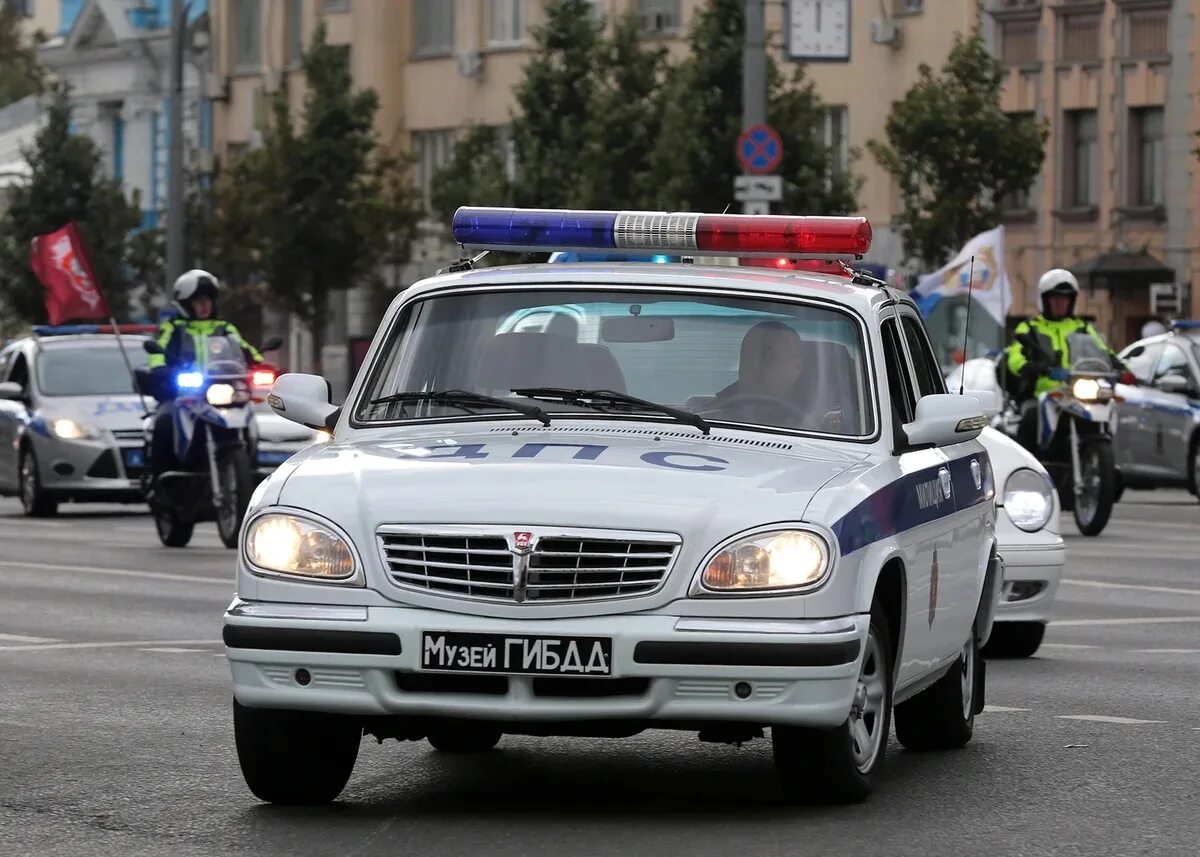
(114, 413)
(662, 481)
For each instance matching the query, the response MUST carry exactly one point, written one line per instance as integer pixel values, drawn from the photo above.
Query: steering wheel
(794, 414)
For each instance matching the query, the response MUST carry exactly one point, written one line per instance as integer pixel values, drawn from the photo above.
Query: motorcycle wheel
(233, 465)
(1096, 490)
(173, 531)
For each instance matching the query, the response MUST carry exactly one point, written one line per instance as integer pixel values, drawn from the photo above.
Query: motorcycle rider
(182, 338)
(1038, 360)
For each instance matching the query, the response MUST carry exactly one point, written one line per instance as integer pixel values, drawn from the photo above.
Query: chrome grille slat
(462, 562)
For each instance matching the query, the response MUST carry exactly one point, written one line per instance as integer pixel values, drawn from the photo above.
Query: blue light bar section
(189, 380)
(1185, 324)
(619, 256)
(64, 329)
(530, 229)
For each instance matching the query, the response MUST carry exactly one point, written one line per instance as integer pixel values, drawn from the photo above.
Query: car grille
(128, 436)
(560, 567)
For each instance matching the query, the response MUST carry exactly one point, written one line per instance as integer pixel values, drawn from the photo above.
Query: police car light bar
(748, 235)
(75, 329)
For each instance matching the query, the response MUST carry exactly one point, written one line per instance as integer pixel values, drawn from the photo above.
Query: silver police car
(70, 422)
(1158, 421)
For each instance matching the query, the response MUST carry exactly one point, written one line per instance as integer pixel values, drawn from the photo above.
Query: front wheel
(840, 765)
(295, 757)
(943, 716)
(1014, 639)
(173, 530)
(34, 499)
(1095, 490)
(233, 467)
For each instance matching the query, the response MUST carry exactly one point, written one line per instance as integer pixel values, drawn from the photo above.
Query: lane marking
(1141, 587)
(1068, 646)
(1169, 651)
(1148, 620)
(117, 572)
(20, 638)
(1000, 709)
(172, 650)
(1100, 718)
(123, 644)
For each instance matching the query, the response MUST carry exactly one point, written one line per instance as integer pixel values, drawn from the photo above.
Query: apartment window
(1146, 153)
(1017, 4)
(1019, 42)
(1080, 38)
(837, 138)
(295, 32)
(659, 16)
(434, 26)
(1146, 33)
(1019, 200)
(431, 150)
(505, 22)
(247, 35)
(335, 6)
(908, 7)
(21, 8)
(1082, 165)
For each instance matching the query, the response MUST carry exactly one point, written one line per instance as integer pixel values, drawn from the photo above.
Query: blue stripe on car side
(896, 508)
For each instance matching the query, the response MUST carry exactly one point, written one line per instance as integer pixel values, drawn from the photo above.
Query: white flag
(991, 289)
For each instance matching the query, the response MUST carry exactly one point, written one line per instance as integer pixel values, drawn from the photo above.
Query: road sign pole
(754, 80)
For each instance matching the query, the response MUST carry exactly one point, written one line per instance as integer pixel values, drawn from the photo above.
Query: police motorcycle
(214, 436)
(1075, 426)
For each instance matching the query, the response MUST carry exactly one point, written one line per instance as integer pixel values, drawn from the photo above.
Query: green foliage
(317, 208)
(20, 73)
(474, 175)
(956, 154)
(67, 182)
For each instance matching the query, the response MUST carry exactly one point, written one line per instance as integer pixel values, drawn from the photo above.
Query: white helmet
(1058, 281)
(193, 284)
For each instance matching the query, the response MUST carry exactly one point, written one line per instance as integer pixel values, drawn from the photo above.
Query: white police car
(593, 499)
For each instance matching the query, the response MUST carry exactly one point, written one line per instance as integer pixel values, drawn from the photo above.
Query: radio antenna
(962, 376)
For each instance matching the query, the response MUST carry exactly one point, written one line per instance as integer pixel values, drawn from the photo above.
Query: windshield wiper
(596, 399)
(465, 399)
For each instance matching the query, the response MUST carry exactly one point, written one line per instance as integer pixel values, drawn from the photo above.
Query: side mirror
(989, 401)
(304, 399)
(273, 344)
(151, 346)
(1174, 383)
(11, 390)
(944, 419)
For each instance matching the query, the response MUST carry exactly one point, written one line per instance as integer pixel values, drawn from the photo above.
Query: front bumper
(1032, 572)
(366, 661)
(97, 470)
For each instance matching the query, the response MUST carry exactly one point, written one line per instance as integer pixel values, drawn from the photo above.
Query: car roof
(766, 282)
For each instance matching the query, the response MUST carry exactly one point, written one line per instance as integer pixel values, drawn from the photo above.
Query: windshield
(1086, 355)
(88, 370)
(221, 355)
(770, 363)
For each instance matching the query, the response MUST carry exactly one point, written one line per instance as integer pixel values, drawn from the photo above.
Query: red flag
(72, 293)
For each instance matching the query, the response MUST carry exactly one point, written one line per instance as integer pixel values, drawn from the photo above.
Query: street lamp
(175, 225)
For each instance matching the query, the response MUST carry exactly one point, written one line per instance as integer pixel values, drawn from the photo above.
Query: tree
(955, 154)
(695, 161)
(66, 182)
(321, 201)
(20, 73)
(476, 174)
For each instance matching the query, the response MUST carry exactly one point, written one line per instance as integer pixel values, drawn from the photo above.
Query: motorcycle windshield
(1085, 354)
(221, 355)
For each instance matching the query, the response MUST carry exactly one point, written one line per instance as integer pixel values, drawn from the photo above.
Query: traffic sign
(759, 149)
(758, 188)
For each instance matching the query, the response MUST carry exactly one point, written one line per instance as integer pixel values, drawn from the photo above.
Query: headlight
(219, 394)
(291, 545)
(1091, 390)
(71, 430)
(1028, 499)
(788, 559)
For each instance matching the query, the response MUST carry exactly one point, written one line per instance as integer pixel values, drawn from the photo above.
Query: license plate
(135, 458)
(516, 653)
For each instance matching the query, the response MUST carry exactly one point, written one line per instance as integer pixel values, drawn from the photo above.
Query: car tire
(173, 531)
(1194, 466)
(942, 717)
(841, 765)
(1014, 639)
(464, 738)
(295, 757)
(34, 499)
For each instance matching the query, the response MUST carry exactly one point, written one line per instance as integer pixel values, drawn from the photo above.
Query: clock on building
(819, 29)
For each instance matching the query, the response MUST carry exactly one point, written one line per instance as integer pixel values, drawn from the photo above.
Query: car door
(1172, 414)
(10, 422)
(1134, 442)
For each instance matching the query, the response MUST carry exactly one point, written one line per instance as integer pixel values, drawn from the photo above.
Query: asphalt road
(116, 737)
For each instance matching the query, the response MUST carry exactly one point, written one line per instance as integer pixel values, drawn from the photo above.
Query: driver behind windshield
(770, 367)
(183, 340)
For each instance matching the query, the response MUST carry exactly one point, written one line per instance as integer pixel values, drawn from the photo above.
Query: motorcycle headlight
(781, 560)
(1028, 499)
(1091, 390)
(288, 544)
(219, 395)
(68, 429)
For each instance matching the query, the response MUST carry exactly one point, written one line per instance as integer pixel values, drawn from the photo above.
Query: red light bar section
(781, 236)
